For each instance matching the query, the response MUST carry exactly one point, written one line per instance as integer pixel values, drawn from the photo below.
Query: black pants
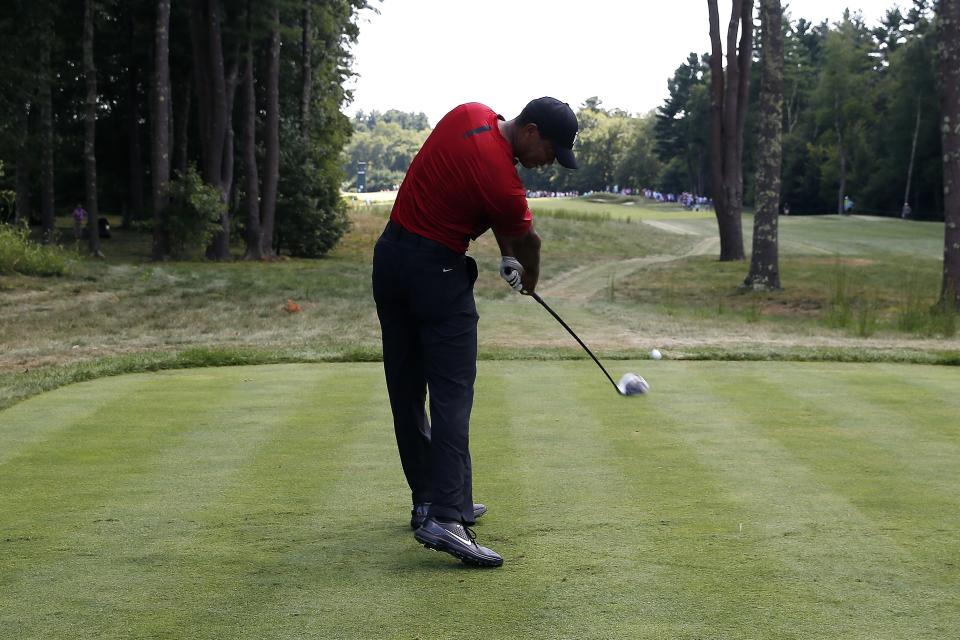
(428, 319)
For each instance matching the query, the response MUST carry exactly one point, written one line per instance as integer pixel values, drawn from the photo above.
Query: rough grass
(737, 500)
(854, 291)
(21, 255)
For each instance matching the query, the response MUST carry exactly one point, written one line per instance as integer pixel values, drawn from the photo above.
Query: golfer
(461, 183)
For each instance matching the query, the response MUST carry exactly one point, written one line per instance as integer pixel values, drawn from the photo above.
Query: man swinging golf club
(461, 183)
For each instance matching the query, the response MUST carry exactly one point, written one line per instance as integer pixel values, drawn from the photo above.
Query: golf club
(631, 384)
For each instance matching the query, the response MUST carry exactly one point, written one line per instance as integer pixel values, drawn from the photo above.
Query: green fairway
(617, 208)
(737, 500)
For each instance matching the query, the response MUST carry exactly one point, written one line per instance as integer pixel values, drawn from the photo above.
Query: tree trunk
(47, 212)
(764, 262)
(160, 149)
(135, 165)
(842, 153)
(220, 246)
(212, 94)
(306, 71)
(181, 151)
(22, 207)
(253, 239)
(904, 212)
(728, 105)
(949, 62)
(90, 131)
(268, 205)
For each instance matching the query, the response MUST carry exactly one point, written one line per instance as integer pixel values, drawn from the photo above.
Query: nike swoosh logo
(465, 541)
(445, 270)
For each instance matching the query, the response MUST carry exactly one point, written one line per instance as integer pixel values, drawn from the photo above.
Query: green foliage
(8, 200)
(682, 128)
(405, 120)
(387, 145)
(19, 254)
(311, 216)
(613, 147)
(864, 87)
(917, 316)
(192, 220)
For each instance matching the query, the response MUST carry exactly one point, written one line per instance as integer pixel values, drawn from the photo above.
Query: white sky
(431, 55)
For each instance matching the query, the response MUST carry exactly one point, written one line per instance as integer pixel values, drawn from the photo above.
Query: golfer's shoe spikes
(419, 513)
(457, 540)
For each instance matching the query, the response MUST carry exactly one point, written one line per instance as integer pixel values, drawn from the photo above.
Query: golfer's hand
(512, 272)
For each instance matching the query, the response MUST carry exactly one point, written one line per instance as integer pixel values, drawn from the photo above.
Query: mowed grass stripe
(21, 431)
(141, 552)
(892, 455)
(347, 571)
(691, 566)
(64, 485)
(618, 518)
(815, 531)
(903, 440)
(613, 547)
(572, 538)
(281, 528)
(52, 483)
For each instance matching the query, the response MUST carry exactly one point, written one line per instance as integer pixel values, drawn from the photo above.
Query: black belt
(395, 232)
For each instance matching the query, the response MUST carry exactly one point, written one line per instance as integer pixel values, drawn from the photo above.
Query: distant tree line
(207, 121)
(860, 117)
(386, 142)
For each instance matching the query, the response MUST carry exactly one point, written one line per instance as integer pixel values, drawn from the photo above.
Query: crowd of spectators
(686, 200)
(552, 194)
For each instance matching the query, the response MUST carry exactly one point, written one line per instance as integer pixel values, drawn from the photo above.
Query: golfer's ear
(530, 128)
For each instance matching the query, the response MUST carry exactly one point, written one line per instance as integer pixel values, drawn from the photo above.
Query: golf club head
(632, 385)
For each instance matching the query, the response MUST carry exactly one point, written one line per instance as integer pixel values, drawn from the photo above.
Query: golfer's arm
(526, 249)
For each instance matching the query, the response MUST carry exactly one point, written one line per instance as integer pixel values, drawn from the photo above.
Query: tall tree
(728, 112)
(160, 127)
(764, 261)
(22, 208)
(949, 59)
(682, 123)
(306, 67)
(90, 129)
(271, 178)
(135, 200)
(212, 80)
(45, 96)
(844, 108)
(254, 250)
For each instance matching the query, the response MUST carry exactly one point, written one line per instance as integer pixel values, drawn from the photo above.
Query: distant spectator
(786, 208)
(79, 217)
(907, 211)
(847, 205)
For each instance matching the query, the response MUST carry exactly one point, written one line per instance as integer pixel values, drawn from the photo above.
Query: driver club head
(632, 385)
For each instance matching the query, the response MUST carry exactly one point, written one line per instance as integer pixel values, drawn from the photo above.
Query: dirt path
(583, 282)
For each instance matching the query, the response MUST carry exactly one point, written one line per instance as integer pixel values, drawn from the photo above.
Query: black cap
(557, 123)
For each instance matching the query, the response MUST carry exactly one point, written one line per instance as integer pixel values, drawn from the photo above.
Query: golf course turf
(736, 500)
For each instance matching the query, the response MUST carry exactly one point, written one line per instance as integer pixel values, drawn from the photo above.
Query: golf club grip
(535, 296)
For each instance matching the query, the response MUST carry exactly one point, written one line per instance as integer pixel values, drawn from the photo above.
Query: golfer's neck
(507, 130)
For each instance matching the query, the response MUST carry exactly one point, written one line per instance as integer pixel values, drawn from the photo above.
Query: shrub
(311, 215)
(194, 214)
(18, 254)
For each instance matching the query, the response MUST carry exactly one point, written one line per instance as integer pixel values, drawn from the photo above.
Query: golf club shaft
(536, 297)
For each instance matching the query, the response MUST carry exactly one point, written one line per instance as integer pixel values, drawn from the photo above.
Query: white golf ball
(655, 354)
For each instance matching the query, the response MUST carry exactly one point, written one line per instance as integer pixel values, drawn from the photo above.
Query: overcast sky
(431, 55)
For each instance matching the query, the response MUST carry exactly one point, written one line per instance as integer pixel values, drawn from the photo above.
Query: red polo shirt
(463, 182)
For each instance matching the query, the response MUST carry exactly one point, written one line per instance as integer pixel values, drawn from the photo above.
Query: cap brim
(565, 157)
